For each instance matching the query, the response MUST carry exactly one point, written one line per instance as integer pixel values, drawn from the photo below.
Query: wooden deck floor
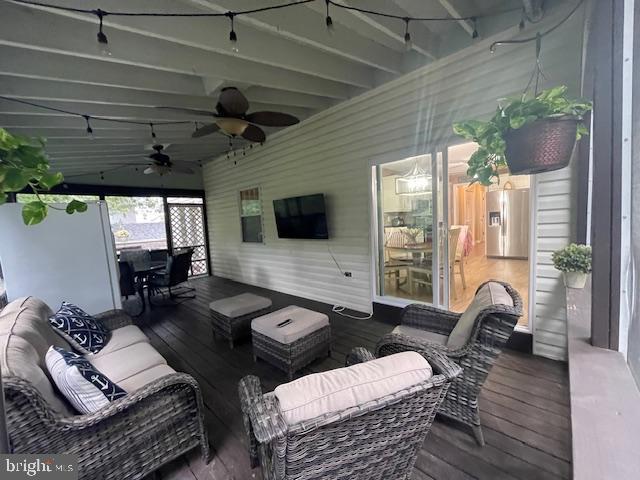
(524, 404)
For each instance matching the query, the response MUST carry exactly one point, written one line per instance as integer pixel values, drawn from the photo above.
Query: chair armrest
(429, 318)
(262, 420)
(113, 319)
(358, 355)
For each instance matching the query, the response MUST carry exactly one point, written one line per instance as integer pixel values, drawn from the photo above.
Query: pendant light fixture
(416, 181)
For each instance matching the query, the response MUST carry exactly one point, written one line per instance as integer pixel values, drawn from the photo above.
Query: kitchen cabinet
(391, 201)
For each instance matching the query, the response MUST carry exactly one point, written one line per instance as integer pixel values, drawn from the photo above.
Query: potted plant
(24, 164)
(574, 261)
(529, 135)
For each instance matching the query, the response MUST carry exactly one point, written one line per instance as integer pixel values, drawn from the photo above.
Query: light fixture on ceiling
(87, 119)
(103, 42)
(233, 37)
(415, 182)
(407, 36)
(232, 126)
(328, 20)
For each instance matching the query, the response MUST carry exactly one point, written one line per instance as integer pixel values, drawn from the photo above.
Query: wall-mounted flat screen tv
(301, 217)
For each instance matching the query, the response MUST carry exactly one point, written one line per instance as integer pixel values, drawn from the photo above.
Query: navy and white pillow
(86, 388)
(81, 330)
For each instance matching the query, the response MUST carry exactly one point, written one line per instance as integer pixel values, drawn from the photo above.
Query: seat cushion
(240, 305)
(420, 334)
(87, 389)
(85, 333)
(121, 338)
(300, 323)
(127, 362)
(144, 378)
(491, 293)
(319, 394)
(25, 337)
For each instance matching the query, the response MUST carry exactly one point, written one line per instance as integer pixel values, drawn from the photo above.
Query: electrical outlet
(348, 274)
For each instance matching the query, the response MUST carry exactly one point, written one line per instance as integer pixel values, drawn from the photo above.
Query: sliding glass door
(409, 220)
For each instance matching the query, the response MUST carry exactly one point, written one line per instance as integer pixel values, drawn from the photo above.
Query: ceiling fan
(231, 117)
(162, 164)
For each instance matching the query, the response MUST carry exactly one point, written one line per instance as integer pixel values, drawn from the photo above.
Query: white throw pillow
(86, 388)
(336, 390)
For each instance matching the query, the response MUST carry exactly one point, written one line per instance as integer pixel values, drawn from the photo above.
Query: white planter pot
(575, 279)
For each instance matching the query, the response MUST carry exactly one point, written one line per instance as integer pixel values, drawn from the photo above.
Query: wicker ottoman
(231, 317)
(291, 338)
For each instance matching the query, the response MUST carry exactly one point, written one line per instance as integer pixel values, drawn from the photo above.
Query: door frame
(375, 211)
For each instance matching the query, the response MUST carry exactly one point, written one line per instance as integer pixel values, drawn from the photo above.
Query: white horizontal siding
(331, 153)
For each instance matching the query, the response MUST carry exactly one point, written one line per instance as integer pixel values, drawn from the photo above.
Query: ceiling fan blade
(272, 119)
(254, 134)
(179, 169)
(206, 130)
(149, 170)
(232, 101)
(190, 111)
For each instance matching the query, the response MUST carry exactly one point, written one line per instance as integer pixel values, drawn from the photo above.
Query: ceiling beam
(454, 11)
(136, 49)
(38, 89)
(211, 34)
(376, 27)
(308, 28)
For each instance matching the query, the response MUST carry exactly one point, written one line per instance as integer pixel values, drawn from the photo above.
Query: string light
(233, 37)
(474, 34)
(153, 133)
(328, 20)
(407, 36)
(522, 23)
(89, 129)
(103, 42)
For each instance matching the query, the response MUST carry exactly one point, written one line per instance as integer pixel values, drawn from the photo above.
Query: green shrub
(573, 258)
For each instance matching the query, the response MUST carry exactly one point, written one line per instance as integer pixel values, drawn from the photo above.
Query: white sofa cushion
(127, 362)
(240, 305)
(491, 293)
(319, 394)
(121, 338)
(420, 334)
(142, 379)
(302, 323)
(86, 388)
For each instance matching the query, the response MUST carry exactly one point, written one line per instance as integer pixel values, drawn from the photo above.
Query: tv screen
(301, 217)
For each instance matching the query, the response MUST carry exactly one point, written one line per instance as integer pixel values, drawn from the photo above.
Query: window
(137, 222)
(251, 215)
(54, 198)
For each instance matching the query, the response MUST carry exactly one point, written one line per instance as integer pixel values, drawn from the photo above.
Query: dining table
(142, 271)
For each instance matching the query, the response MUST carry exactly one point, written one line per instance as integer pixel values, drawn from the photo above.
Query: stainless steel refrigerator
(508, 223)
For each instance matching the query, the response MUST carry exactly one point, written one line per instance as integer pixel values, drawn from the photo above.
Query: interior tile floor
(524, 405)
(478, 268)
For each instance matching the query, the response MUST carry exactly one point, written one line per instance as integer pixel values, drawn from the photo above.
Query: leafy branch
(485, 163)
(24, 164)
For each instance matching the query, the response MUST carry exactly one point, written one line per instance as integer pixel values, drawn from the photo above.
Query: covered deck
(524, 403)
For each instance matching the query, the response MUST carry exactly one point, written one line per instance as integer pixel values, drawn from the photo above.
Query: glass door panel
(407, 203)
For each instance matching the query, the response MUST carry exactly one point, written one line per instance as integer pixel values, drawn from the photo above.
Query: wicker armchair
(128, 439)
(492, 328)
(375, 441)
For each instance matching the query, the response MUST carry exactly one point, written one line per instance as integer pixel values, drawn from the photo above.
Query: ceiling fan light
(232, 126)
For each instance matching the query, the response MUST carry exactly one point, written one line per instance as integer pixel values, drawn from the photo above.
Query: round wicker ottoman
(291, 338)
(231, 317)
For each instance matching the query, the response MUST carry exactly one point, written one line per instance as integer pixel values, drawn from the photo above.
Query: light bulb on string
(407, 36)
(103, 42)
(233, 37)
(154, 137)
(474, 34)
(89, 129)
(328, 20)
(523, 17)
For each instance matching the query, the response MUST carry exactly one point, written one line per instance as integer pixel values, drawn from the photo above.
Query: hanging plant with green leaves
(24, 165)
(493, 136)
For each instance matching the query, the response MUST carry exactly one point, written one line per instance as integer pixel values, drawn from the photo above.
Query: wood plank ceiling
(286, 60)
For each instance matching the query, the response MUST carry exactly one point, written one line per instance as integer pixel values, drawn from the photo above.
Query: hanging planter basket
(542, 146)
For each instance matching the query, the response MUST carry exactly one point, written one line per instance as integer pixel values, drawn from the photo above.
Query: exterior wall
(332, 153)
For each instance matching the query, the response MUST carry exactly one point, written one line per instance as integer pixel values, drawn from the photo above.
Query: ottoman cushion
(303, 322)
(323, 393)
(240, 305)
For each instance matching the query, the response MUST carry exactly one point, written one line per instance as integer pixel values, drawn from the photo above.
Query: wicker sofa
(158, 420)
(373, 440)
(490, 323)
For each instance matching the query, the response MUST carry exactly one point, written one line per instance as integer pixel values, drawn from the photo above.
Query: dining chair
(175, 275)
(128, 285)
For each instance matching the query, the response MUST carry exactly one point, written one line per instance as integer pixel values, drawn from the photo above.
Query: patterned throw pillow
(81, 330)
(86, 388)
